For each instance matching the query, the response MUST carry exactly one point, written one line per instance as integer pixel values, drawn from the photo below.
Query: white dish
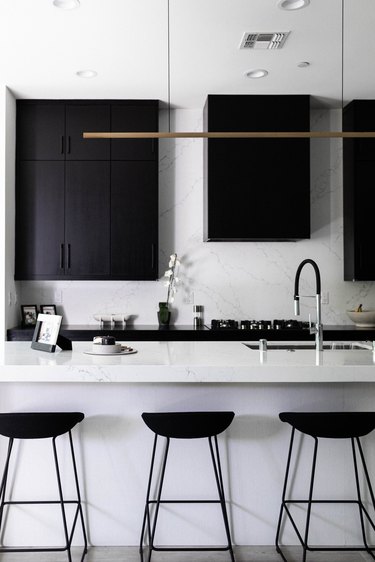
(364, 319)
(112, 317)
(124, 351)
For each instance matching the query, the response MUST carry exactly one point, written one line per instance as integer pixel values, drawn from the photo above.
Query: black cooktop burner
(259, 325)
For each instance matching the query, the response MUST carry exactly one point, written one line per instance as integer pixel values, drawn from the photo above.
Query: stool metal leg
(147, 518)
(362, 509)
(67, 543)
(4, 481)
(78, 497)
(284, 501)
(220, 488)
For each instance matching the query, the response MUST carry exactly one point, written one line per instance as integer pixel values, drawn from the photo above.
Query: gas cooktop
(259, 325)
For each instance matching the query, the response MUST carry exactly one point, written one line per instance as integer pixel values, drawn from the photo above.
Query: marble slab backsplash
(248, 280)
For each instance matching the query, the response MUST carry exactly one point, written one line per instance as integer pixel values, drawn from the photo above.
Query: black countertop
(150, 332)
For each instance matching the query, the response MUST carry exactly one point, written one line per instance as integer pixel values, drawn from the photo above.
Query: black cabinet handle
(152, 256)
(68, 151)
(62, 144)
(61, 256)
(68, 265)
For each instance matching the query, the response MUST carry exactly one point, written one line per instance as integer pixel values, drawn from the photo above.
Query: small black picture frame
(48, 309)
(46, 332)
(29, 315)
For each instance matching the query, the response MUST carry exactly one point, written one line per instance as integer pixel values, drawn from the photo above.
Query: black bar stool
(43, 426)
(331, 425)
(185, 425)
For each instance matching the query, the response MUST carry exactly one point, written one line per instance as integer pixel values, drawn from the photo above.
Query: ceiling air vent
(264, 40)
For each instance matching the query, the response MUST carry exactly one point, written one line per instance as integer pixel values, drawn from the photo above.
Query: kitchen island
(114, 446)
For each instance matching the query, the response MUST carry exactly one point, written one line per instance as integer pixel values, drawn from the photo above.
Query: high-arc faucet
(318, 328)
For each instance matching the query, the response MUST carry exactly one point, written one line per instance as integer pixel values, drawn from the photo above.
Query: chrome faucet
(318, 328)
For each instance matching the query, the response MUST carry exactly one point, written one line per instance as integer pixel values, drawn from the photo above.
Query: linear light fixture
(234, 135)
(239, 134)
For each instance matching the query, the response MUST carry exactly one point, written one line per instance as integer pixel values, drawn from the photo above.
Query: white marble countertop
(186, 362)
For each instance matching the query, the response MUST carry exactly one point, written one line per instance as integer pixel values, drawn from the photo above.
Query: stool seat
(188, 425)
(333, 425)
(38, 425)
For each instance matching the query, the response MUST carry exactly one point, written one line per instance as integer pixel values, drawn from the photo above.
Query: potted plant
(164, 314)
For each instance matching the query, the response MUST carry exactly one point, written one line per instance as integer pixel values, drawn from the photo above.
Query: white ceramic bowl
(364, 319)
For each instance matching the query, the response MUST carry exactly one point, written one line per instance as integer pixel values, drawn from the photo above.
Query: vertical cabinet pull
(152, 256)
(68, 261)
(61, 256)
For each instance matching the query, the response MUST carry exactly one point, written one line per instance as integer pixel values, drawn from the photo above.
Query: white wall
(232, 280)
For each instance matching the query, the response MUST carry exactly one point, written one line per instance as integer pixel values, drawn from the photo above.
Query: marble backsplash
(248, 280)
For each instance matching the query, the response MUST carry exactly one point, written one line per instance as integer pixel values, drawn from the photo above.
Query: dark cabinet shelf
(257, 189)
(79, 213)
(359, 197)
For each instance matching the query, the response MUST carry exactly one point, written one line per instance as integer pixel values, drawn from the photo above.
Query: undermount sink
(303, 345)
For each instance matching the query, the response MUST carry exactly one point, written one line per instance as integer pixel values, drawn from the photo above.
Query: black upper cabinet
(359, 196)
(131, 118)
(134, 231)
(53, 130)
(257, 189)
(40, 131)
(87, 118)
(79, 215)
(40, 220)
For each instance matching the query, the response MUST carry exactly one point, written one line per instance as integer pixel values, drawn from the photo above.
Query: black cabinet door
(40, 220)
(40, 131)
(128, 118)
(82, 118)
(252, 192)
(87, 219)
(134, 220)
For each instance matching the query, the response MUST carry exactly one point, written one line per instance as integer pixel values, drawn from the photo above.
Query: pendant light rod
(234, 135)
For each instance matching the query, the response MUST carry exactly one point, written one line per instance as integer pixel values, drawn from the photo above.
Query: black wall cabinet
(257, 189)
(359, 194)
(80, 213)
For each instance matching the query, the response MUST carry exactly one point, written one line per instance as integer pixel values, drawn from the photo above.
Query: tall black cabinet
(86, 209)
(257, 189)
(359, 195)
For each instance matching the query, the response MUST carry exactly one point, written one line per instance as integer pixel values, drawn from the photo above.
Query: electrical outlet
(325, 297)
(189, 297)
(57, 297)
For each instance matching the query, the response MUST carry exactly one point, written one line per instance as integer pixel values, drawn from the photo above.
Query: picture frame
(48, 309)
(29, 315)
(46, 332)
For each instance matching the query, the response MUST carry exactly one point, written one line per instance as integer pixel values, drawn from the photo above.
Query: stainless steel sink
(303, 345)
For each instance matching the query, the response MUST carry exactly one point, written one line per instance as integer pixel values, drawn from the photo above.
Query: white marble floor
(243, 554)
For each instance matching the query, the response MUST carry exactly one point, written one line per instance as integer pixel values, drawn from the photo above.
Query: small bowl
(364, 319)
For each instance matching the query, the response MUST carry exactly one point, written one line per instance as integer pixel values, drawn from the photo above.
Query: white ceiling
(126, 42)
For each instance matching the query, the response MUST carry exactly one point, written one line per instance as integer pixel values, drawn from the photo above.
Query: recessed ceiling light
(293, 4)
(66, 4)
(86, 73)
(257, 73)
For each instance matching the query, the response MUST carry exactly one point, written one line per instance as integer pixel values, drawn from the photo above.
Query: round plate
(124, 351)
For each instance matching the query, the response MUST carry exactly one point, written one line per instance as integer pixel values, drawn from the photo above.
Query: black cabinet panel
(87, 118)
(39, 219)
(257, 189)
(40, 131)
(359, 196)
(134, 230)
(75, 221)
(87, 217)
(128, 118)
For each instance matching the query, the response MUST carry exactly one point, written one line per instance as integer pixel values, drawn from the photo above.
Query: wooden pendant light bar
(235, 135)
